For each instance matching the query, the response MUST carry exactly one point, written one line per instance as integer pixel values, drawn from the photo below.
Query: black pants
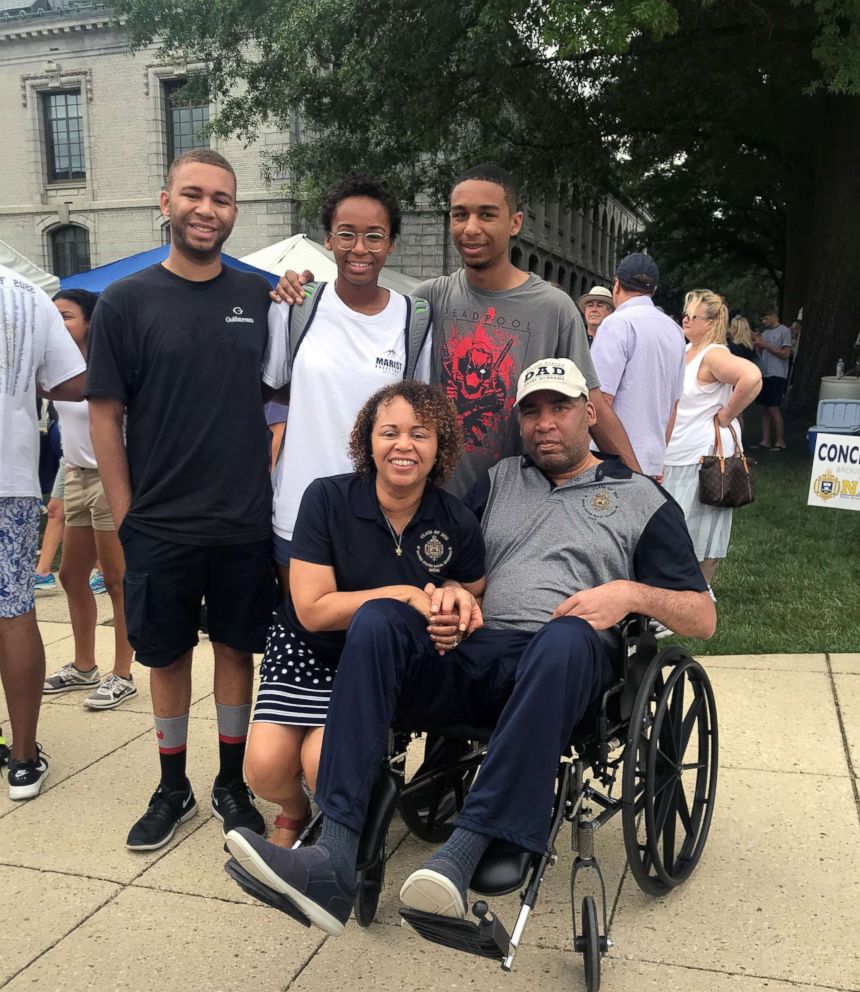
(532, 687)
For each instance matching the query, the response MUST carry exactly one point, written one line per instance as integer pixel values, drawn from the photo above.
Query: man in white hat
(574, 544)
(595, 306)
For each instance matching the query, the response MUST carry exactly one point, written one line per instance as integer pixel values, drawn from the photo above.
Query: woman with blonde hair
(716, 384)
(740, 340)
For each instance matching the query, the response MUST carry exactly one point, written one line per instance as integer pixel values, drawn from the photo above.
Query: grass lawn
(791, 582)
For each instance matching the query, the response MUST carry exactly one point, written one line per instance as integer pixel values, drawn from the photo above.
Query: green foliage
(701, 110)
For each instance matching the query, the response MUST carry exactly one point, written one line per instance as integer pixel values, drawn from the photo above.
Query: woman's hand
(418, 600)
(724, 418)
(455, 614)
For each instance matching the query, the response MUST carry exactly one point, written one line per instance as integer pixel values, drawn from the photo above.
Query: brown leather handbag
(726, 481)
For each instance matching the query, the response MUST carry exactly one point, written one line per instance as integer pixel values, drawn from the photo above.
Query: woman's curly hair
(431, 407)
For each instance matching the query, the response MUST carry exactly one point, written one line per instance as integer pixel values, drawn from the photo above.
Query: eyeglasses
(691, 319)
(373, 240)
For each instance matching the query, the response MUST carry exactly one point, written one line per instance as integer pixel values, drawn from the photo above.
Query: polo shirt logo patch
(434, 550)
(600, 505)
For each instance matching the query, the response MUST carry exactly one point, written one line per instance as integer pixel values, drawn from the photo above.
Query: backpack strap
(419, 317)
(301, 317)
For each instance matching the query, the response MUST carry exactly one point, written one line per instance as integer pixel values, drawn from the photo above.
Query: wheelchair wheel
(370, 882)
(670, 772)
(590, 945)
(435, 794)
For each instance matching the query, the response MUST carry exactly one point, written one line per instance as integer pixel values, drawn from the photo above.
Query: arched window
(517, 256)
(70, 250)
(534, 263)
(165, 233)
(561, 278)
(547, 271)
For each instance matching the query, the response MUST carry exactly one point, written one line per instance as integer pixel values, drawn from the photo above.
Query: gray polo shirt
(545, 542)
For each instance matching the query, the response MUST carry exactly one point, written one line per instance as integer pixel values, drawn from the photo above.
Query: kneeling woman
(382, 532)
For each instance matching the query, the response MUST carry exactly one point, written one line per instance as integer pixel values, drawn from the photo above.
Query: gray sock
(459, 857)
(341, 844)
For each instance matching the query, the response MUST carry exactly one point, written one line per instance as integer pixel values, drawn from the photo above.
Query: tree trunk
(831, 311)
(798, 230)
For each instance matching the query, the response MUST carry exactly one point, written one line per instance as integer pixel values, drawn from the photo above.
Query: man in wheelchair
(574, 544)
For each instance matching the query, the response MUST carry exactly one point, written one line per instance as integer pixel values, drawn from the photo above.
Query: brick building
(89, 130)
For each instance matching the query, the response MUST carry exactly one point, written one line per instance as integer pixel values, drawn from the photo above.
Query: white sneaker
(659, 630)
(68, 677)
(114, 690)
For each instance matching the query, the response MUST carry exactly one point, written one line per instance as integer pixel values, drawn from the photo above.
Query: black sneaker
(26, 777)
(304, 876)
(166, 810)
(233, 804)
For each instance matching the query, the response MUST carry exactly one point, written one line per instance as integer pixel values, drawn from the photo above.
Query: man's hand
(455, 614)
(603, 606)
(289, 288)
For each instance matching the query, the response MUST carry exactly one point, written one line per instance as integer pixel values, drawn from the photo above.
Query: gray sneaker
(68, 678)
(114, 690)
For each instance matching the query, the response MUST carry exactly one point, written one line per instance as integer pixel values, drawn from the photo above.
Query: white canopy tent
(299, 253)
(15, 261)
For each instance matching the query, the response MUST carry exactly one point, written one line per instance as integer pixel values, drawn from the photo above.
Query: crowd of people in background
(226, 447)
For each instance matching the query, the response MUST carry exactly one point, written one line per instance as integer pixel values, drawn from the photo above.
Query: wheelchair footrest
(262, 892)
(487, 939)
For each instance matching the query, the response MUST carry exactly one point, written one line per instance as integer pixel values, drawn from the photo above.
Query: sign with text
(835, 478)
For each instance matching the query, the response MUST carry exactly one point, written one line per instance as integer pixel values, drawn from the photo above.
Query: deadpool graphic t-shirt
(482, 341)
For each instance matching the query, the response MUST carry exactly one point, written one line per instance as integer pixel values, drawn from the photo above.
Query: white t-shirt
(343, 359)
(35, 347)
(75, 431)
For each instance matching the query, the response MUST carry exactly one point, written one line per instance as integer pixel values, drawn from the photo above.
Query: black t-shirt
(741, 351)
(185, 358)
(340, 524)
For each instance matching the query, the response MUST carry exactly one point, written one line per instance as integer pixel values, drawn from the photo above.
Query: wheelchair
(651, 738)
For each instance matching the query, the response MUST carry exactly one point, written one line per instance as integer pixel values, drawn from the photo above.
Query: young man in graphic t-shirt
(36, 352)
(773, 345)
(490, 321)
(176, 350)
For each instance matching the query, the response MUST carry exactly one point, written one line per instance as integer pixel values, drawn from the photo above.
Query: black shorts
(165, 584)
(772, 391)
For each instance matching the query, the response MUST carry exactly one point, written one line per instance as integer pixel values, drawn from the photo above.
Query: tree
(736, 124)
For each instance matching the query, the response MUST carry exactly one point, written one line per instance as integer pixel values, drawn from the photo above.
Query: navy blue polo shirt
(341, 525)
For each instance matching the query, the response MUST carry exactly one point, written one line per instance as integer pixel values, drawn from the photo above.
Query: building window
(64, 136)
(187, 120)
(165, 233)
(70, 250)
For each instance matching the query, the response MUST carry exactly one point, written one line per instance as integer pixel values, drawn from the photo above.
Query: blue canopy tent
(98, 279)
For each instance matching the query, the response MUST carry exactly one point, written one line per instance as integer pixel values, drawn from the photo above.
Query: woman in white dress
(716, 383)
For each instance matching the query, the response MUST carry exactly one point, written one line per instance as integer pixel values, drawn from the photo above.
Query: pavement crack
(852, 771)
(752, 975)
(302, 968)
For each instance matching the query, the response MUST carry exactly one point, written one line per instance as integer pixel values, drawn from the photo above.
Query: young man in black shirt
(179, 433)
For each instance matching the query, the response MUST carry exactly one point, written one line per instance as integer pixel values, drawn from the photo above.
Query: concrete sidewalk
(775, 903)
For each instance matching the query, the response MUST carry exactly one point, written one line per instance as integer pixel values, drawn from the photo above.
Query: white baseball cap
(558, 374)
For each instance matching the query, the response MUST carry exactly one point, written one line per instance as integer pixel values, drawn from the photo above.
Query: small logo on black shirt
(237, 317)
(434, 550)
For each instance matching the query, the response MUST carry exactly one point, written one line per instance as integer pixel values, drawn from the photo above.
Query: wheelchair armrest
(633, 625)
